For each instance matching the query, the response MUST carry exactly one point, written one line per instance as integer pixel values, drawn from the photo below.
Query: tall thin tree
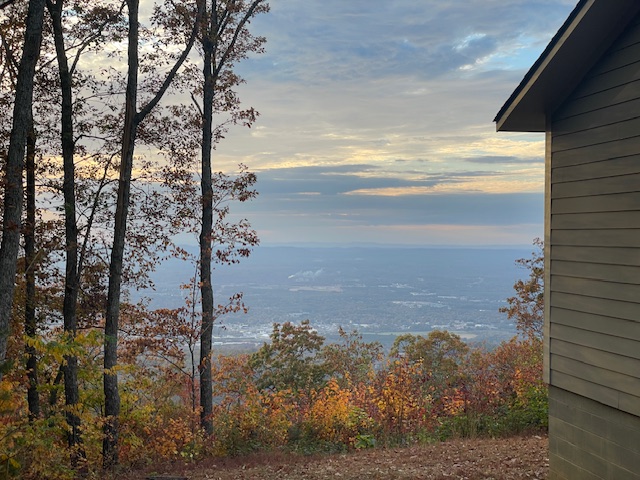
(132, 120)
(30, 320)
(71, 284)
(13, 188)
(224, 39)
(11, 64)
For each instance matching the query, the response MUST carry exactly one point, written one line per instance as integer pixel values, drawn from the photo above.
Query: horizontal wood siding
(594, 285)
(614, 202)
(571, 348)
(588, 440)
(624, 329)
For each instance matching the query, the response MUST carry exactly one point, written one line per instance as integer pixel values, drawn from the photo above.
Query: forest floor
(469, 459)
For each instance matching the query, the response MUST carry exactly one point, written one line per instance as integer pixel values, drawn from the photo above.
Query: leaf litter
(460, 459)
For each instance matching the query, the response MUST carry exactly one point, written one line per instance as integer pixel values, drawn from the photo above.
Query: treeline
(295, 392)
(110, 113)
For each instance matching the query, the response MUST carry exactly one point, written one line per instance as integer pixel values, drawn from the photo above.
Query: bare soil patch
(469, 459)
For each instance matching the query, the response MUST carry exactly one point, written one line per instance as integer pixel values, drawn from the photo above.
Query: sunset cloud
(391, 103)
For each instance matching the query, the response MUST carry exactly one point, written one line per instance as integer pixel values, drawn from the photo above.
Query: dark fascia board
(588, 32)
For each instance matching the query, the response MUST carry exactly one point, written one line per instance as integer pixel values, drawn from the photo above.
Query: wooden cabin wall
(594, 290)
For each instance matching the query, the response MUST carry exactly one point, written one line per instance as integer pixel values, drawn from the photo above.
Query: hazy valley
(380, 291)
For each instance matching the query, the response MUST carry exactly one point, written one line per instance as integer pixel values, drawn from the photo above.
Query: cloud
(336, 204)
(503, 160)
(339, 40)
(376, 180)
(378, 114)
(294, 193)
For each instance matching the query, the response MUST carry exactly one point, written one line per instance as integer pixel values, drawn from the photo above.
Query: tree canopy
(104, 128)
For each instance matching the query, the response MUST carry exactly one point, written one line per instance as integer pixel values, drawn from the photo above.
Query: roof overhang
(588, 32)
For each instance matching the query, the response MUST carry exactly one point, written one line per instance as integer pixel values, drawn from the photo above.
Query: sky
(376, 122)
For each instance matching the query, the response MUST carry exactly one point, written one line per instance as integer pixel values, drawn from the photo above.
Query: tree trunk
(111, 394)
(69, 307)
(132, 120)
(14, 167)
(206, 287)
(214, 61)
(30, 324)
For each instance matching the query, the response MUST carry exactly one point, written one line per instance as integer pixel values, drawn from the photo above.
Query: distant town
(380, 292)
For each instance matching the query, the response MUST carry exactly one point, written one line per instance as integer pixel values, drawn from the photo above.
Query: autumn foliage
(296, 393)
(399, 399)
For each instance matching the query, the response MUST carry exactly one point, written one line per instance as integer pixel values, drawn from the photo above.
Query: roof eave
(590, 29)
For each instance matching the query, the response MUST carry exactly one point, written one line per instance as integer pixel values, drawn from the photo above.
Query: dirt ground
(502, 459)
